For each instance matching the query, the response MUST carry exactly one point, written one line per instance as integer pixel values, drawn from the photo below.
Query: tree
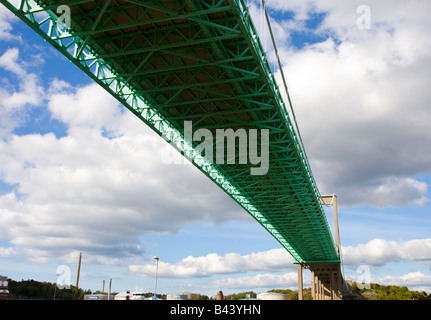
(392, 292)
(242, 295)
(31, 289)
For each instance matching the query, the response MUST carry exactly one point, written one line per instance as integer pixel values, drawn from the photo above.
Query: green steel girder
(172, 61)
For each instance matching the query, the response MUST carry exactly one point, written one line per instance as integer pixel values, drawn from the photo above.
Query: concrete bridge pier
(327, 282)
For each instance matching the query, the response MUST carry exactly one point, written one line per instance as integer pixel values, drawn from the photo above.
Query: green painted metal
(172, 61)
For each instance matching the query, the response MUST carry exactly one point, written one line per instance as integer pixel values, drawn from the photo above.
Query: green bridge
(200, 62)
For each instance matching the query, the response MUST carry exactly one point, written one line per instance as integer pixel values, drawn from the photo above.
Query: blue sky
(80, 173)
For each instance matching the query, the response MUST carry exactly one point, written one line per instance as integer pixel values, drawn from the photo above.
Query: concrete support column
(300, 286)
(326, 281)
(313, 286)
(331, 285)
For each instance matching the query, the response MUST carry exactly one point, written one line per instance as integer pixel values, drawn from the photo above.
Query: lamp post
(157, 271)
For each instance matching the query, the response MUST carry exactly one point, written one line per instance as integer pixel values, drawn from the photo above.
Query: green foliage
(293, 295)
(380, 292)
(31, 289)
(242, 295)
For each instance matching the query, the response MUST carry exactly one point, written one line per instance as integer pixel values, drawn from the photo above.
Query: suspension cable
(287, 92)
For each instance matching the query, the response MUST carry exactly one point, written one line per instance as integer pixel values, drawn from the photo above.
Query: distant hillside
(376, 292)
(31, 289)
(380, 292)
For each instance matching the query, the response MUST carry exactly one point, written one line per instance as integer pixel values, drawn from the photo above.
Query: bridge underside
(327, 281)
(172, 61)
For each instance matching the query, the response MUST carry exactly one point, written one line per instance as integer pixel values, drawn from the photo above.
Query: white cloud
(411, 280)
(273, 281)
(17, 99)
(6, 17)
(374, 254)
(362, 102)
(7, 252)
(389, 192)
(361, 99)
(379, 252)
(9, 62)
(100, 187)
(212, 264)
(360, 96)
(89, 107)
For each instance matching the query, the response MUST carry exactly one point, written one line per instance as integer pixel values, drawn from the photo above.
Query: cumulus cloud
(7, 252)
(98, 188)
(412, 279)
(360, 96)
(9, 62)
(379, 252)
(6, 18)
(268, 266)
(287, 280)
(212, 264)
(361, 99)
(16, 99)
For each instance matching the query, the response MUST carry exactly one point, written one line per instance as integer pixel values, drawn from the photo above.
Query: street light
(157, 271)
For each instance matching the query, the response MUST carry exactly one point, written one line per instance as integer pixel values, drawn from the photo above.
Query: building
(4, 290)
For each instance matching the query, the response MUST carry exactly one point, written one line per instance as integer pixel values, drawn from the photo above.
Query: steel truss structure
(172, 61)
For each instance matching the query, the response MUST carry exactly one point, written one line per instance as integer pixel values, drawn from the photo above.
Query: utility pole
(78, 270)
(157, 272)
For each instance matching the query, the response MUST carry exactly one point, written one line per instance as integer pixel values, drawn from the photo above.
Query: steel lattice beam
(172, 61)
